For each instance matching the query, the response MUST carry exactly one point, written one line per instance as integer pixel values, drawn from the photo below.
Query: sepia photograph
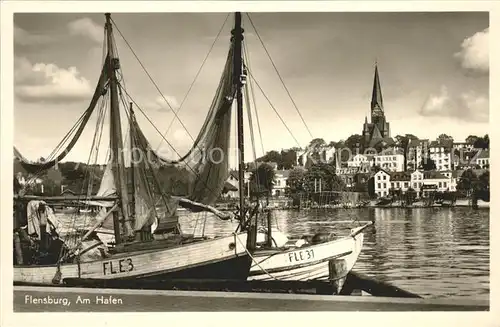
(239, 160)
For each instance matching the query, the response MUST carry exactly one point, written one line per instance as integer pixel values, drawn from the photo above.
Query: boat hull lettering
(117, 266)
(302, 255)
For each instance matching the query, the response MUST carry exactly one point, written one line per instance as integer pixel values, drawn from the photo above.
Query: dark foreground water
(434, 252)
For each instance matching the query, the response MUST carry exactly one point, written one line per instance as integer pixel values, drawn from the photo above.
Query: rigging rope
(195, 79)
(272, 106)
(250, 82)
(151, 79)
(279, 75)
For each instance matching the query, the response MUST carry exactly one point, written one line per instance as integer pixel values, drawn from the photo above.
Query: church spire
(377, 101)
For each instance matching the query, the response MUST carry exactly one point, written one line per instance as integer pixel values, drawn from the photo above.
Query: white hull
(227, 250)
(308, 262)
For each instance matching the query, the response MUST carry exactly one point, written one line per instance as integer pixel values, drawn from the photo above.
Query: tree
(323, 175)
(467, 181)
(288, 159)
(262, 180)
(317, 143)
(471, 139)
(296, 181)
(484, 180)
(354, 142)
(482, 142)
(428, 164)
(444, 139)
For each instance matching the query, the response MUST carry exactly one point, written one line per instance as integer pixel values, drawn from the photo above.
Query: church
(377, 133)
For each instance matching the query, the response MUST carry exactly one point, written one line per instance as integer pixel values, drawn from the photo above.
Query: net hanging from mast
(202, 171)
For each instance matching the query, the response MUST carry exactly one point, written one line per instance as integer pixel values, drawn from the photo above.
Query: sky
(433, 68)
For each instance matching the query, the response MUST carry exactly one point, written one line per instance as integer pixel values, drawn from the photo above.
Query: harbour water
(434, 252)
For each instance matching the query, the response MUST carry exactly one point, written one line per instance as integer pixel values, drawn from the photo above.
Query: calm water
(434, 252)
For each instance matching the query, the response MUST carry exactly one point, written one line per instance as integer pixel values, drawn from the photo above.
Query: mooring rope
(253, 259)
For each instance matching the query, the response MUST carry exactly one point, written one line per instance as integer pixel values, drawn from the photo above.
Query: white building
(281, 177)
(416, 151)
(357, 160)
(462, 146)
(441, 155)
(390, 160)
(382, 181)
(482, 159)
(417, 180)
(324, 153)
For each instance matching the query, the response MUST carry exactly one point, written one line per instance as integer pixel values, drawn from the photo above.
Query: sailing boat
(321, 258)
(132, 195)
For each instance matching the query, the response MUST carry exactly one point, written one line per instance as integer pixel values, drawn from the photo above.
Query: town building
(390, 160)
(420, 181)
(281, 177)
(441, 154)
(417, 149)
(482, 159)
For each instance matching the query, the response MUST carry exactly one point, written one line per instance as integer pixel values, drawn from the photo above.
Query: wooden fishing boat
(131, 194)
(329, 260)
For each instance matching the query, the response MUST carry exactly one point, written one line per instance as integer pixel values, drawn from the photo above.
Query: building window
(378, 177)
(392, 184)
(440, 184)
(378, 186)
(414, 185)
(385, 177)
(406, 184)
(444, 184)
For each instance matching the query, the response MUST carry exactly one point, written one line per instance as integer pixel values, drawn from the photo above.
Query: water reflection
(435, 252)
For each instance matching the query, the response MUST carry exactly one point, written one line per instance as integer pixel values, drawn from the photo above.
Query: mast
(237, 33)
(132, 161)
(116, 141)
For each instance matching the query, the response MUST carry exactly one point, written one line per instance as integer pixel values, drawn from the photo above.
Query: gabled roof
(483, 154)
(434, 175)
(400, 176)
(383, 170)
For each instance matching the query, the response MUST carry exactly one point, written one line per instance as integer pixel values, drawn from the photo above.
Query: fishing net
(201, 173)
(37, 167)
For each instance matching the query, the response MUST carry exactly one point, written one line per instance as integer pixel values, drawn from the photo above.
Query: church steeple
(377, 101)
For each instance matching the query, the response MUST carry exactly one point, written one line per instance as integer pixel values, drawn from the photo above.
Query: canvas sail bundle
(204, 169)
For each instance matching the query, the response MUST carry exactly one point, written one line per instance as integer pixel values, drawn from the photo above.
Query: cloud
(48, 82)
(467, 106)
(25, 38)
(474, 55)
(88, 28)
(159, 103)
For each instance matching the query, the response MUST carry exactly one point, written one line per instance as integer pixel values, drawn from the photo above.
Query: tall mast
(238, 39)
(237, 72)
(116, 141)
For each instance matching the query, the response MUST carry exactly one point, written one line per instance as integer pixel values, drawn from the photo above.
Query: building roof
(391, 152)
(434, 175)
(400, 176)
(284, 173)
(483, 154)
